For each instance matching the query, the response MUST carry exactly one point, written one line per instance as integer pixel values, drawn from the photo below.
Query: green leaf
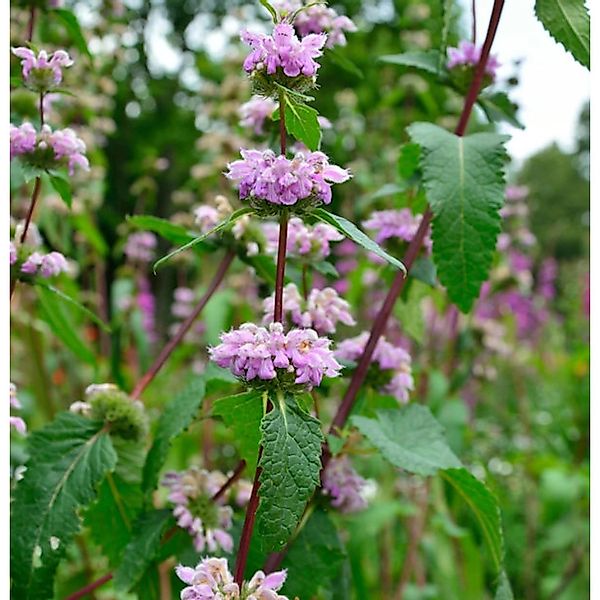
(568, 22)
(69, 459)
(410, 438)
(499, 107)
(263, 265)
(176, 234)
(410, 312)
(352, 232)
(427, 61)
(120, 499)
(326, 268)
(301, 122)
(290, 463)
(271, 10)
(424, 270)
(60, 322)
(464, 182)
(72, 26)
(174, 419)
(142, 549)
(62, 187)
(408, 161)
(72, 302)
(342, 61)
(315, 557)
(86, 226)
(226, 224)
(503, 591)
(243, 414)
(484, 507)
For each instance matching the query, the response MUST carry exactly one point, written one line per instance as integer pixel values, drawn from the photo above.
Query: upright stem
(37, 187)
(31, 24)
(474, 22)
(184, 327)
(242, 556)
(41, 109)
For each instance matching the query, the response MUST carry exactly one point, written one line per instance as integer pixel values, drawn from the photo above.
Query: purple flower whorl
(301, 183)
(267, 357)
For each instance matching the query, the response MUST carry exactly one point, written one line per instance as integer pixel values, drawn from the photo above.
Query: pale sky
(553, 86)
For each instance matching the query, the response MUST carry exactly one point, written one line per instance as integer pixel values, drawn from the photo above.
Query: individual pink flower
(276, 179)
(66, 144)
(345, 486)
(205, 519)
(304, 242)
(141, 246)
(396, 224)
(283, 50)
(254, 113)
(390, 360)
(42, 71)
(467, 55)
(23, 139)
(45, 265)
(16, 422)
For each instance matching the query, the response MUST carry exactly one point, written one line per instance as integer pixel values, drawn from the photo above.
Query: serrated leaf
(69, 459)
(410, 438)
(568, 22)
(72, 26)
(72, 302)
(226, 224)
(120, 499)
(499, 107)
(464, 182)
(352, 232)
(315, 557)
(484, 507)
(62, 187)
(176, 234)
(62, 325)
(301, 122)
(142, 549)
(291, 464)
(427, 61)
(174, 419)
(243, 414)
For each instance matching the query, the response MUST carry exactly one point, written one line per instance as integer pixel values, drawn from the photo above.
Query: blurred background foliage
(157, 107)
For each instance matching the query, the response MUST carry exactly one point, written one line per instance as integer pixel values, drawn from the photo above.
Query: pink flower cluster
(63, 144)
(205, 519)
(254, 113)
(283, 50)
(46, 265)
(400, 224)
(263, 175)
(388, 358)
(304, 242)
(211, 580)
(140, 246)
(252, 352)
(16, 422)
(467, 55)
(322, 311)
(316, 19)
(43, 71)
(345, 486)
